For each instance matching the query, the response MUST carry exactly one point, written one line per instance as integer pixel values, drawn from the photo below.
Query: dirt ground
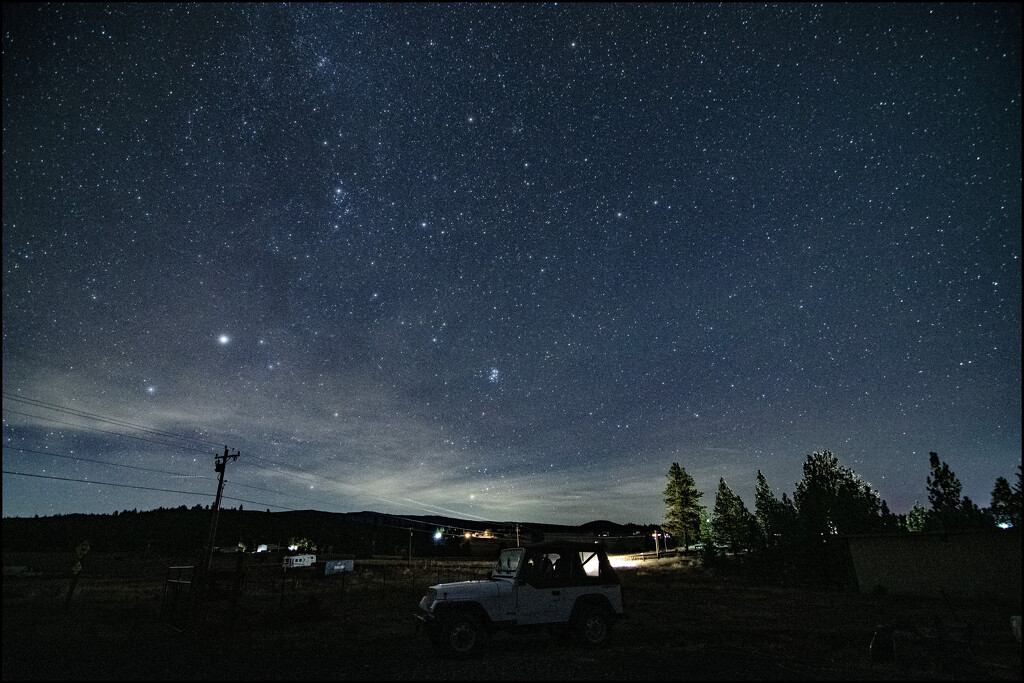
(682, 624)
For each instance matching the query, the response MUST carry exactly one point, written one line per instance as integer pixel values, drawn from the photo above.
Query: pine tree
(722, 522)
(1002, 503)
(943, 495)
(917, 518)
(949, 511)
(788, 519)
(731, 521)
(832, 499)
(707, 532)
(1006, 501)
(1018, 499)
(767, 512)
(682, 498)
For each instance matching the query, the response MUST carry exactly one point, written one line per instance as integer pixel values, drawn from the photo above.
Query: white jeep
(568, 586)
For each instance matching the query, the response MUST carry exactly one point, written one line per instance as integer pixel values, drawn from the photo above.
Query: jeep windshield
(508, 562)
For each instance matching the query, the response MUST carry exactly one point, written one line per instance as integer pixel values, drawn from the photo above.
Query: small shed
(975, 563)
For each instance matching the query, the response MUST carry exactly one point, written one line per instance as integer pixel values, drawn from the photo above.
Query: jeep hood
(472, 590)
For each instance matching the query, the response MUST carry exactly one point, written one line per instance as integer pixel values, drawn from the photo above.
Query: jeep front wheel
(458, 635)
(593, 626)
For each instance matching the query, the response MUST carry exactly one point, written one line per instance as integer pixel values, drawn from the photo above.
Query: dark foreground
(683, 624)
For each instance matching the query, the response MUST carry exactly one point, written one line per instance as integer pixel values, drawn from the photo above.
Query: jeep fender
(474, 608)
(598, 601)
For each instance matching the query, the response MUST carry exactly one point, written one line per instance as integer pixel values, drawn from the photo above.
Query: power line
(80, 413)
(433, 524)
(131, 436)
(143, 488)
(150, 469)
(105, 483)
(104, 462)
(38, 403)
(430, 509)
(107, 431)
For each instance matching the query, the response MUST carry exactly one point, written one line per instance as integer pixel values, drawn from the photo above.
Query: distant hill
(185, 530)
(604, 526)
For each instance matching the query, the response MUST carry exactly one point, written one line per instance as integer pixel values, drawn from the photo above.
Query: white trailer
(296, 561)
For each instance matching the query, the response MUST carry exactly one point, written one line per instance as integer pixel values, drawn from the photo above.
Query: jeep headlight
(428, 599)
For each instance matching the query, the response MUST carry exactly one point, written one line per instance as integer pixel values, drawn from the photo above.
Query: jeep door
(588, 573)
(540, 592)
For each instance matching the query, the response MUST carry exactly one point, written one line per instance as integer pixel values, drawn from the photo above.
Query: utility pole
(221, 464)
(517, 533)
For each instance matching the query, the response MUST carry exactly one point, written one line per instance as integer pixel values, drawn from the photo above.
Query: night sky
(505, 262)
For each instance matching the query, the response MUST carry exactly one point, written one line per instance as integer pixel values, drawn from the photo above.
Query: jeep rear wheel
(593, 626)
(458, 635)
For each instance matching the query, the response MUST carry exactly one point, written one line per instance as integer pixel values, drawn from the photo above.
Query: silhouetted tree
(832, 499)
(944, 490)
(1006, 501)
(975, 517)
(731, 521)
(949, 511)
(707, 532)
(776, 519)
(1002, 503)
(1018, 499)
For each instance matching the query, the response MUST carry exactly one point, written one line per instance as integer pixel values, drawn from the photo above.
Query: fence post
(80, 551)
(280, 606)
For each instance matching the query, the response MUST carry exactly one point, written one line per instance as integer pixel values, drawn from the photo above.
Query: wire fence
(234, 589)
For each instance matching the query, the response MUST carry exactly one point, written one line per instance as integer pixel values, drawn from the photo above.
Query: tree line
(830, 501)
(184, 531)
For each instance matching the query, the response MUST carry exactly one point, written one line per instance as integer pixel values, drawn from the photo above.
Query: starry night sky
(506, 262)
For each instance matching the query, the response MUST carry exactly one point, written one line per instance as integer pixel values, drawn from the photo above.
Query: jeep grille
(428, 599)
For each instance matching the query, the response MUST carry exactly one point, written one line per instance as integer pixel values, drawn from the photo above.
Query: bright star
(224, 339)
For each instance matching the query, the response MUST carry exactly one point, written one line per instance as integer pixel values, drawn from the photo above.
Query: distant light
(224, 339)
(619, 561)
(439, 534)
(1005, 525)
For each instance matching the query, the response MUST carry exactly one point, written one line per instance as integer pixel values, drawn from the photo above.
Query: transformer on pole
(221, 464)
